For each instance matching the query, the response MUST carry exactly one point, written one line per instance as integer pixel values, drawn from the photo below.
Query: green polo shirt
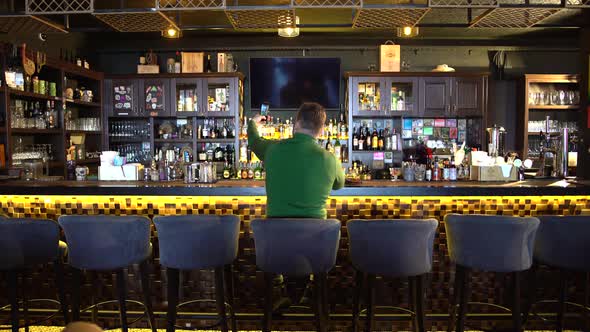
(299, 174)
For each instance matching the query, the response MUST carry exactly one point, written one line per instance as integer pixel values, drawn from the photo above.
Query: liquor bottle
(244, 151)
(244, 171)
(250, 172)
(394, 140)
(199, 132)
(209, 68)
(218, 154)
(394, 98)
(226, 171)
(361, 145)
(401, 104)
(338, 150)
(343, 127)
(452, 170)
(435, 170)
(428, 173)
(374, 140)
(329, 146)
(446, 171)
(202, 154)
(381, 142)
(47, 115)
(210, 152)
(355, 139)
(387, 138)
(344, 149)
(213, 129)
(258, 172)
(205, 131)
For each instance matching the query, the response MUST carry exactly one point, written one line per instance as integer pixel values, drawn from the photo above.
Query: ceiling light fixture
(407, 32)
(289, 28)
(172, 33)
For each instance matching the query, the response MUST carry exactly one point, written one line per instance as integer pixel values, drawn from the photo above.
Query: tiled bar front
(486, 287)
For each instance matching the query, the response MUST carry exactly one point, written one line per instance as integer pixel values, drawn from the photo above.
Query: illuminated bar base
(486, 287)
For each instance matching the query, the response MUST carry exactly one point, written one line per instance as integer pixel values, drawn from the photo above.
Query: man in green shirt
(299, 173)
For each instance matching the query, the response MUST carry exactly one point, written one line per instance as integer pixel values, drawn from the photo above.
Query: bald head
(82, 327)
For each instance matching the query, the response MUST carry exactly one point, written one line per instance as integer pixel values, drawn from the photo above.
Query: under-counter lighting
(408, 32)
(172, 33)
(291, 29)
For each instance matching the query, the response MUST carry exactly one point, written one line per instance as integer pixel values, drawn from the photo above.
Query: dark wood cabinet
(468, 96)
(435, 97)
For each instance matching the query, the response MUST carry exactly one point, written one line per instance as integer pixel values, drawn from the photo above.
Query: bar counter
(370, 200)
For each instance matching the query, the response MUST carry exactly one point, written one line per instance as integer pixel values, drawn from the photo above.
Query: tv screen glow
(286, 83)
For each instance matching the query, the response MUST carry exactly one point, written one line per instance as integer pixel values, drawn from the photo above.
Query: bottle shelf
(87, 132)
(31, 95)
(162, 140)
(554, 107)
(115, 139)
(83, 103)
(216, 140)
(373, 151)
(36, 131)
(87, 161)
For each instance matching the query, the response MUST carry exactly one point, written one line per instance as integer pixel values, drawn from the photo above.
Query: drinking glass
(394, 172)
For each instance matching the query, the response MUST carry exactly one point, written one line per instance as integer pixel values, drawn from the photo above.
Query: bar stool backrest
(106, 242)
(194, 242)
(296, 246)
(491, 243)
(395, 248)
(564, 242)
(27, 242)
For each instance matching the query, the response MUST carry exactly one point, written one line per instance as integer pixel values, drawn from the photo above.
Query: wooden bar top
(256, 188)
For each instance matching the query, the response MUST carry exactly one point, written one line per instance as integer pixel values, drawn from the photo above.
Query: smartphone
(264, 109)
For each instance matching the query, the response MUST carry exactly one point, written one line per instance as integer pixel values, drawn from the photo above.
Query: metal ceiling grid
(451, 16)
(48, 7)
(463, 3)
(190, 4)
(137, 21)
(260, 18)
(577, 3)
(513, 17)
(29, 24)
(388, 17)
(327, 3)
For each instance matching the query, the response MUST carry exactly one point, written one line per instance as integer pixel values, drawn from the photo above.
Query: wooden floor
(59, 328)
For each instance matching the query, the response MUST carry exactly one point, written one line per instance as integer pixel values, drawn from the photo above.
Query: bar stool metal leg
(220, 298)
(145, 287)
(586, 304)
(323, 292)
(370, 302)
(25, 301)
(172, 295)
(532, 293)
(412, 302)
(562, 299)
(121, 293)
(267, 321)
(229, 281)
(516, 314)
(463, 298)
(61, 288)
(76, 276)
(319, 303)
(357, 300)
(13, 294)
(419, 302)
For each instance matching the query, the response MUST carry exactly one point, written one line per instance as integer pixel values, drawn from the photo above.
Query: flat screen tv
(285, 83)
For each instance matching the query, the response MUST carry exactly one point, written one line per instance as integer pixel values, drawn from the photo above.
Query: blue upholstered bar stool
(109, 243)
(563, 242)
(392, 248)
(25, 244)
(196, 242)
(492, 244)
(296, 247)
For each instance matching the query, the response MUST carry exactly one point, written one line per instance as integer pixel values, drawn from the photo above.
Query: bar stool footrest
(6, 307)
(91, 307)
(534, 313)
(229, 315)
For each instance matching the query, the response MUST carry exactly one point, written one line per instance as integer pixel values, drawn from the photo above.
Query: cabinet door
(467, 96)
(368, 96)
(154, 97)
(402, 94)
(435, 96)
(187, 97)
(125, 97)
(220, 96)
